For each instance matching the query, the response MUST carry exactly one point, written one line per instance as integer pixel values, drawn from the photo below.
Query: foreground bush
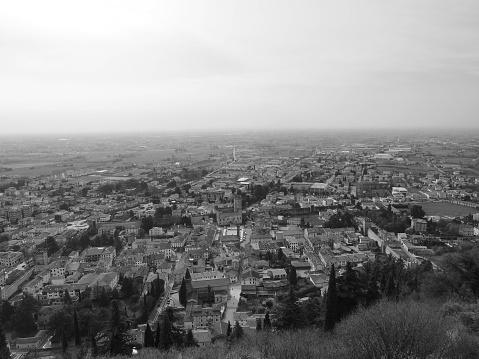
(388, 330)
(405, 330)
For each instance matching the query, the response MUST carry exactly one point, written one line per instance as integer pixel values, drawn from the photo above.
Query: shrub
(395, 330)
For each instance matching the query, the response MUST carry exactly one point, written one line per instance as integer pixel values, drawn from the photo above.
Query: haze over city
(186, 65)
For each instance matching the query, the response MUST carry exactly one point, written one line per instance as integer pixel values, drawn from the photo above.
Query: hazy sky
(152, 65)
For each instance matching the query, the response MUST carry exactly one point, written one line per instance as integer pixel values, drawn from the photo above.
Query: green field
(446, 209)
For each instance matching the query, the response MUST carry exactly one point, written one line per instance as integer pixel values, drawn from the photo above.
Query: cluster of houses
(226, 243)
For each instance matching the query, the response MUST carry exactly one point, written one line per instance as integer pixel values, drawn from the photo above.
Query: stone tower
(237, 204)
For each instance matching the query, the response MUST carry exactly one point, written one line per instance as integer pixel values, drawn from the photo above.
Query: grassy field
(446, 209)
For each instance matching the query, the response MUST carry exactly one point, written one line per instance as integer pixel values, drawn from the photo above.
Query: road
(232, 305)
(162, 305)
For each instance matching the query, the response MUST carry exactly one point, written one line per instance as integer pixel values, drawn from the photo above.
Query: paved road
(162, 306)
(232, 304)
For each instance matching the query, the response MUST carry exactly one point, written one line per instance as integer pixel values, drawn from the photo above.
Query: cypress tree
(390, 287)
(211, 296)
(293, 276)
(190, 339)
(267, 322)
(182, 293)
(238, 332)
(119, 339)
(373, 294)
(187, 274)
(149, 340)
(64, 342)
(228, 330)
(66, 297)
(259, 327)
(331, 302)
(157, 335)
(144, 317)
(103, 300)
(94, 348)
(4, 350)
(166, 341)
(76, 329)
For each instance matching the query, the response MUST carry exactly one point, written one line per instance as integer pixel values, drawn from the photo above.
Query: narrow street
(235, 291)
(154, 316)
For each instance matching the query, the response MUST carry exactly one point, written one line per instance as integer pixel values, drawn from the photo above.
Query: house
(216, 284)
(57, 268)
(241, 318)
(202, 336)
(33, 286)
(232, 274)
(319, 280)
(277, 274)
(138, 335)
(419, 225)
(466, 230)
(11, 259)
(201, 317)
(31, 342)
(250, 277)
(103, 256)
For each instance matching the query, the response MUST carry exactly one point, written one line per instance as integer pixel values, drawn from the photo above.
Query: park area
(446, 209)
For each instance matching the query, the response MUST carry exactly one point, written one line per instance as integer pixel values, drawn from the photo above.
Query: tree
(24, 322)
(157, 334)
(292, 276)
(149, 340)
(259, 327)
(66, 297)
(7, 310)
(314, 309)
(372, 295)
(64, 343)
(115, 294)
(61, 322)
(166, 341)
(349, 291)
(187, 274)
(144, 316)
(267, 322)
(190, 339)
(211, 295)
(228, 330)
(417, 212)
(238, 332)
(331, 302)
(51, 245)
(182, 293)
(119, 338)
(94, 348)
(147, 224)
(103, 300)
(280, 254)
(290, 315)
(127, 287)
(4, 350)
(76, 329)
